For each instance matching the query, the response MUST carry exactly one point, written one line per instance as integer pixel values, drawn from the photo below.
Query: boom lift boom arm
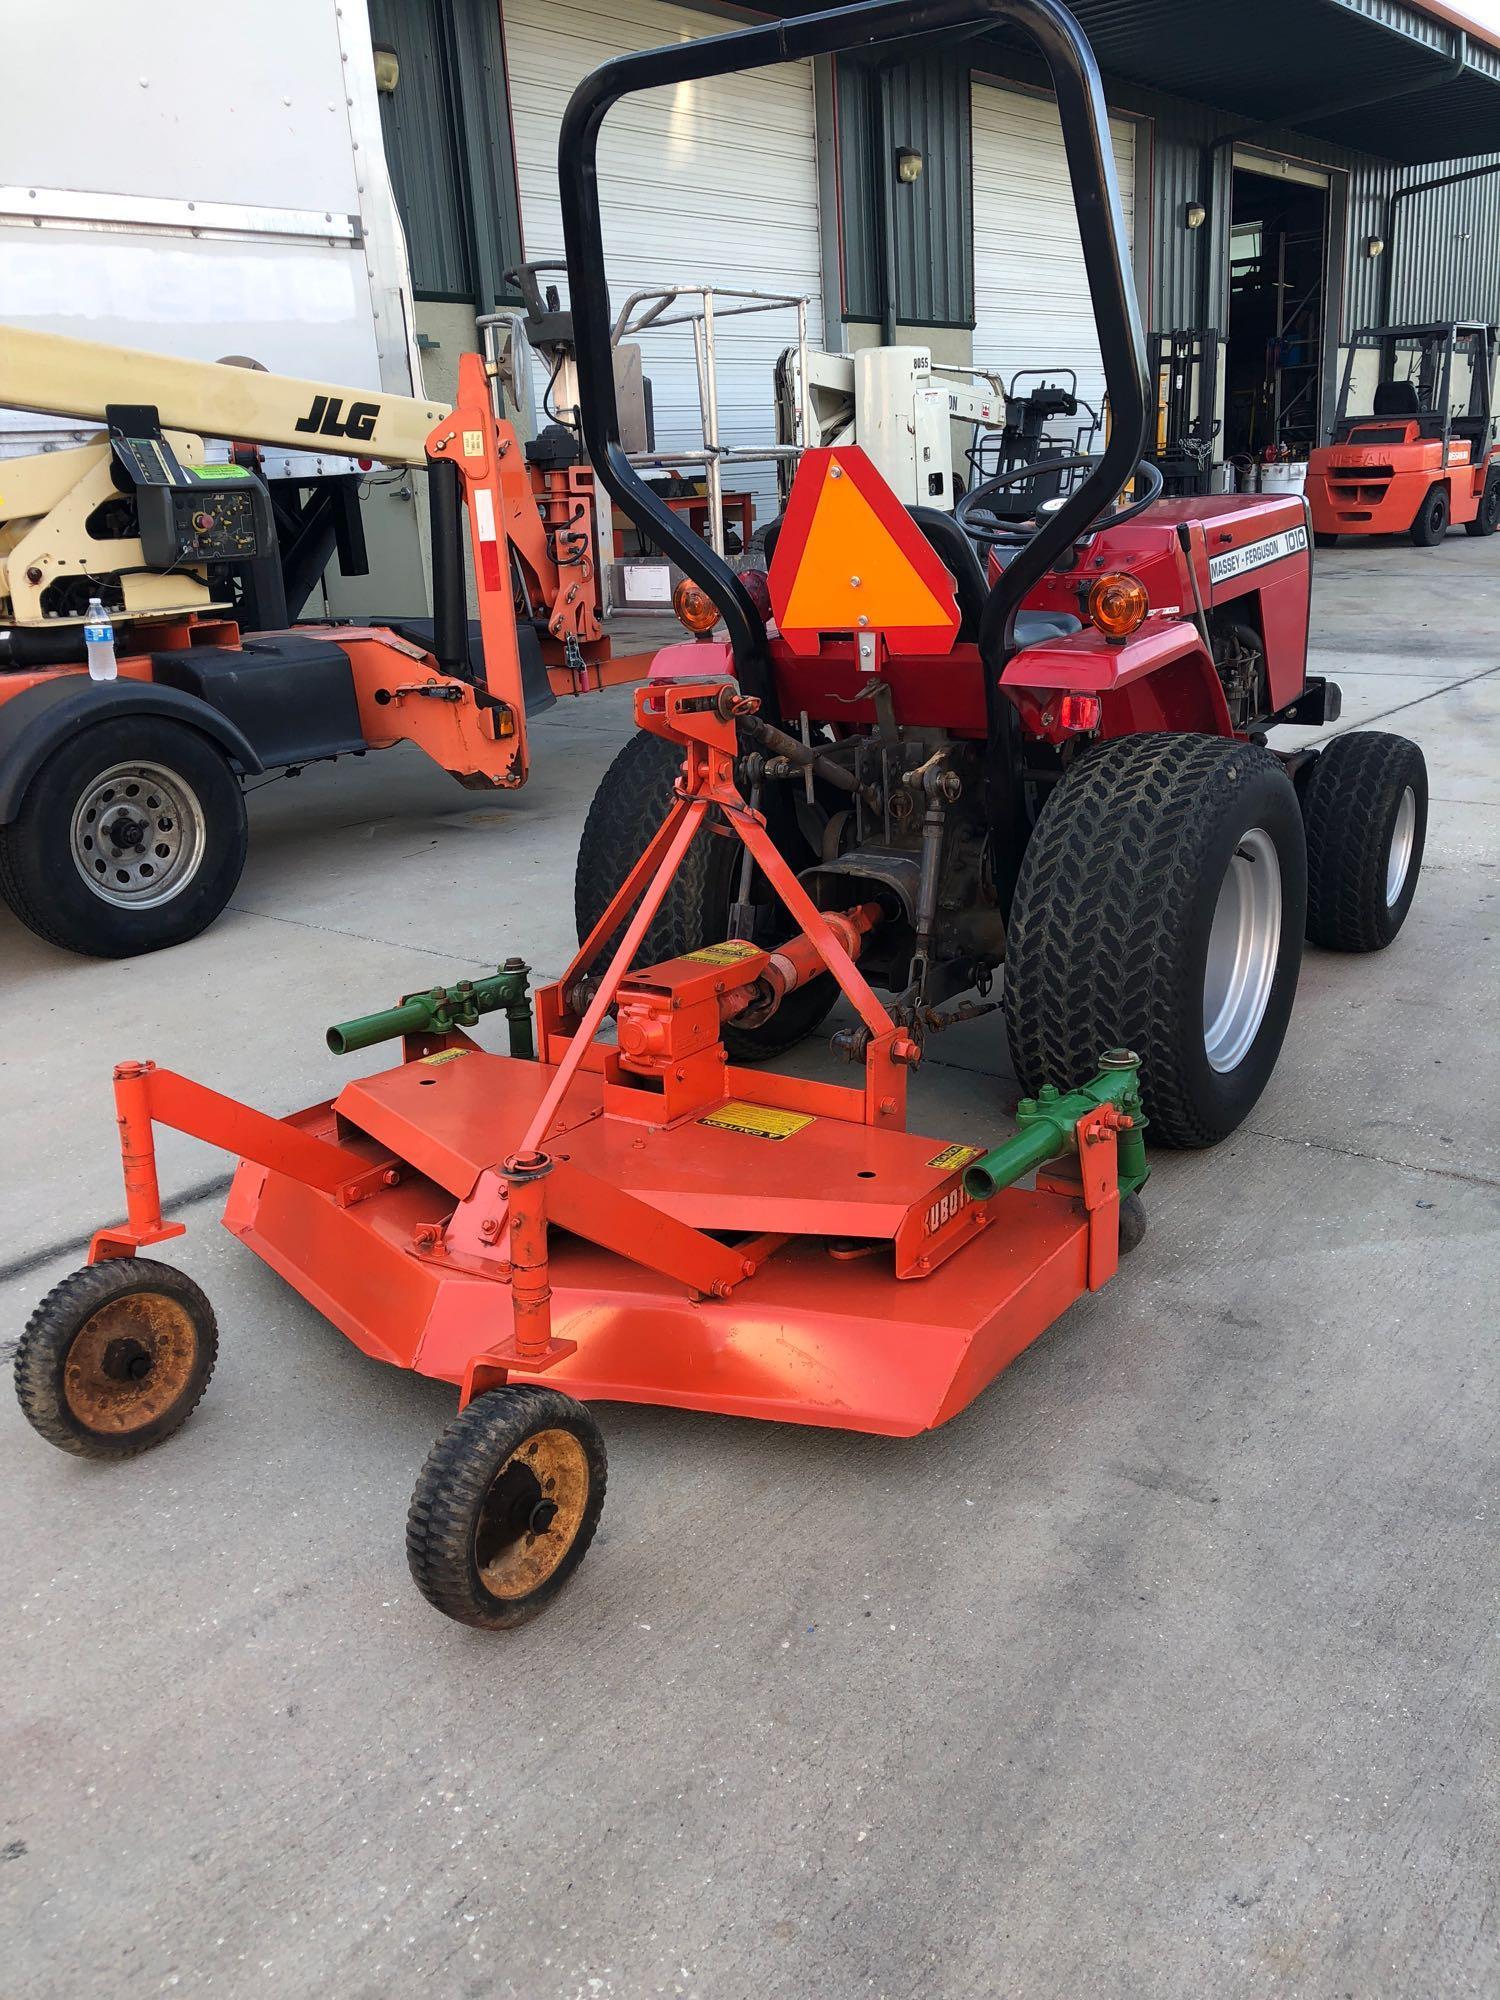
(79, 378)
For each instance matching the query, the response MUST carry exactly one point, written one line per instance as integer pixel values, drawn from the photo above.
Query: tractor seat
(1396, 399)
(1035, 628)
(1032, 628)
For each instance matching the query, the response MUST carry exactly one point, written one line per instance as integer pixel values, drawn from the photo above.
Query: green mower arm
(442, 1009)
(1047, 1126)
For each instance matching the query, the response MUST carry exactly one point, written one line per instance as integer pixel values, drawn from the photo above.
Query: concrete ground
(1169, 1668)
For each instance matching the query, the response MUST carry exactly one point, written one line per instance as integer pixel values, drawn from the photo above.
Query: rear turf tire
(506, 1506)
(1431, 524)
(1114, 917)
(1364, 804)
(633, 799)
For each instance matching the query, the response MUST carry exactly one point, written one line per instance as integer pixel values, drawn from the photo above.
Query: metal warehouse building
(1290, 171)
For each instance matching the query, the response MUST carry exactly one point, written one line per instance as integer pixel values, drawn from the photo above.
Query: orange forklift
(1411, 465)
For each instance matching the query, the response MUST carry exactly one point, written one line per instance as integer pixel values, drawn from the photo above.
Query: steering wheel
(1014, 534)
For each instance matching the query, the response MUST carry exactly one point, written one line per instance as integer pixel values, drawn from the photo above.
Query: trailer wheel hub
(138, 835)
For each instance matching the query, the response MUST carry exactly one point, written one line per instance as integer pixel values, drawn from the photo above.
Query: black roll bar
(1101, 224)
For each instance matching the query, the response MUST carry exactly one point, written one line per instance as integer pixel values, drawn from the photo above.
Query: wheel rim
(531, 1514)
(129, 1363)
(1244, 944)
(1403, 839)
(138, 835)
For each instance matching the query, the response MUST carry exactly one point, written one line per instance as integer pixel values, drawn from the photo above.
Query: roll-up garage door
(712, 181)
(1031, 296)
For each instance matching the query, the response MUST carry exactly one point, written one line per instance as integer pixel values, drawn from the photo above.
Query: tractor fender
(1163, 678)
(34, 722)
(1087, 663)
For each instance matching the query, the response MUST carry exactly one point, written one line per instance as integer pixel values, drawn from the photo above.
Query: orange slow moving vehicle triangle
(849, 557)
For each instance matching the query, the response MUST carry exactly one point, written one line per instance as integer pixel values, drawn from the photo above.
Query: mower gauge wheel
(981, 527)
(116, 1358)
(506, 1506)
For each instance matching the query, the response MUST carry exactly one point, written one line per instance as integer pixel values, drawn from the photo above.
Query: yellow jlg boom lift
(122, 821)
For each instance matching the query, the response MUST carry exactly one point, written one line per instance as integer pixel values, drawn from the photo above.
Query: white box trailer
(212, 183)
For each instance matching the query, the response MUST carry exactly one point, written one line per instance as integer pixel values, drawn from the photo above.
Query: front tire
(506, 1506)
(116, 1358)
(1322, 539)
(1431, 524)
(131, 837)
(633, 799)
(1364, 804)
(1487, 520)
(1160, 908)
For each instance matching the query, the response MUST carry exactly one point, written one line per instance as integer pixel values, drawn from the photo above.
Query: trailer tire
(1431, 524)
(1151, 858)
(116, 1358)
(516, 1457)
(630, 804)
(1364, 804)
(1487, 520)
(151, 892)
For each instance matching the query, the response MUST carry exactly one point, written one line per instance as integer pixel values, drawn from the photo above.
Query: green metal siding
(929, 114)
(484, 112)
(447, 142)
(419, 146)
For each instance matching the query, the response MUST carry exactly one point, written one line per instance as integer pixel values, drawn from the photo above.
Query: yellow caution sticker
(442, 1056)
(473, 443)
(728, 953)
(758, 1121)
(953, 1157)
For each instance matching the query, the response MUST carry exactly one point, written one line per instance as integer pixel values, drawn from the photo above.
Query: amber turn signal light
(694, 607)
(1117, 604)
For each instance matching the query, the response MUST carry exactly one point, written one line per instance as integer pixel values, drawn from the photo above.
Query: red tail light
(1079, 713)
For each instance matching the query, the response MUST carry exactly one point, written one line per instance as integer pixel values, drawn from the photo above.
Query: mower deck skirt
(823, 1333)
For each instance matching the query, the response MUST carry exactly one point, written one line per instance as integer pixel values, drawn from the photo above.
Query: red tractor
(1038, 743)
(1411, 464)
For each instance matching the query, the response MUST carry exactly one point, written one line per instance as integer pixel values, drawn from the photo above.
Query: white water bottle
(99, 637)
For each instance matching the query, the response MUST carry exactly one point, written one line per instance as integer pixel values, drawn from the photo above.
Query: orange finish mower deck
(821, 1334)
